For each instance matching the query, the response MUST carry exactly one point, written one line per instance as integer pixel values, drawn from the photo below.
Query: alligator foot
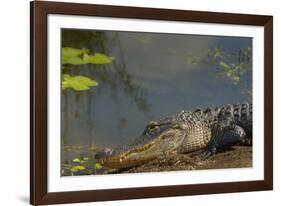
(223, 138)
(246, 141)
(207, 153)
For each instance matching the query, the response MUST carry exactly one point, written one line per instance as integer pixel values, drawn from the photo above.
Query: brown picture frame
(39, 11)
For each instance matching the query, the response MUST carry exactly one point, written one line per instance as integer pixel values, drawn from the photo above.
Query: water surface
(150, 78)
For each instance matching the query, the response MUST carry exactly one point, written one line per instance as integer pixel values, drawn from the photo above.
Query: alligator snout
(105, 152)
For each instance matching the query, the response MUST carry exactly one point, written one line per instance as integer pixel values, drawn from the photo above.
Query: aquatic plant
(73, 56)
(78, 159)
(78, 83)
(236, 66)
(82, 56)
(233, 66)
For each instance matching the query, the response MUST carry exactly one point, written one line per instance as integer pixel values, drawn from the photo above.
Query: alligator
(205, 131)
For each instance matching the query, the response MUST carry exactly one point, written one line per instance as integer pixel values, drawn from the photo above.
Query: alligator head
(165, 142)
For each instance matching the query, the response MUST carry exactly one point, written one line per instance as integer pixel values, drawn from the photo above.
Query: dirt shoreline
(236, 157)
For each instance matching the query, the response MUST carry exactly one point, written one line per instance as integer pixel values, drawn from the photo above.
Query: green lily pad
(98, 166)
(82, 56)
(77, 168)
(78, 83)
(76, 160)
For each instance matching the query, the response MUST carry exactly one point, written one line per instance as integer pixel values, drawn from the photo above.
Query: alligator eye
(151, 129)
(155, 129)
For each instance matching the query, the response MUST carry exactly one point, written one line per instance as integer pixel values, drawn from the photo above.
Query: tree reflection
(114, 77)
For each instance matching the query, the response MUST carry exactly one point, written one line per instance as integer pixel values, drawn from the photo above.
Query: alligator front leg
(224, 137)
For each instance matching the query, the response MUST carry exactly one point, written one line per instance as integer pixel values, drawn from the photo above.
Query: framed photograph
(131, 102)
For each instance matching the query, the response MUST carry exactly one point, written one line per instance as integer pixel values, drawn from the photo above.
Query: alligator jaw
(166, 142)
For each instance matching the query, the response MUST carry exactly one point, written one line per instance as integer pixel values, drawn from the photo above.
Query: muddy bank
(79, 160)
(236, 157)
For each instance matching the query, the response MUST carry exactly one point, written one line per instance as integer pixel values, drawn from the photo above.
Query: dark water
(150, 78)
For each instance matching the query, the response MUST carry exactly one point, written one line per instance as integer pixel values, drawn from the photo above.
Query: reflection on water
(151, 77)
